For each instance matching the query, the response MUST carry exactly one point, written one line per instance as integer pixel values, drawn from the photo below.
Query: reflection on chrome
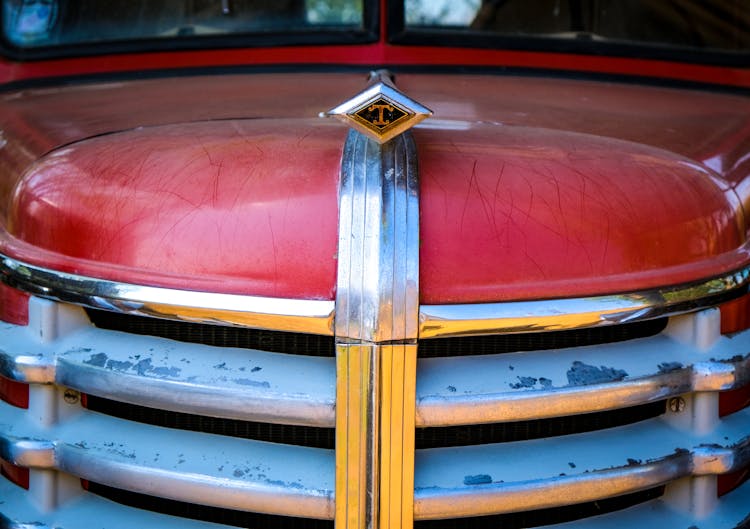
(562, 314)
(295, 315)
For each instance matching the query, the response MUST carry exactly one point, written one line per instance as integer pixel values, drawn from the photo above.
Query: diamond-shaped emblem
(381, 111)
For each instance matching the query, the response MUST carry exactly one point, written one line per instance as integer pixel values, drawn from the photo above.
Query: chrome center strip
(516, 317)
(377, 307)
(377, 296)
(294, 315)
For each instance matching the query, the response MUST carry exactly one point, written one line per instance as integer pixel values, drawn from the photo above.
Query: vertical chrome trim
(376, 326)
(377, 296)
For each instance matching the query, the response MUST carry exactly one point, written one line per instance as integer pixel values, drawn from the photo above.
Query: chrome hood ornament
(381, 111)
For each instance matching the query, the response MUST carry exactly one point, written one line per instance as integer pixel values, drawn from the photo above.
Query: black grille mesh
(315, 345)
(255, 520)
(424, 437)
(275, 433)
(216, 335)
(525, 430)
(538, 341)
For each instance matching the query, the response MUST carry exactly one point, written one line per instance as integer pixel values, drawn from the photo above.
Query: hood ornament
(381, 111)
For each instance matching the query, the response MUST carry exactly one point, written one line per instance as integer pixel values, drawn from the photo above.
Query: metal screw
(677, 405)
(71, 396)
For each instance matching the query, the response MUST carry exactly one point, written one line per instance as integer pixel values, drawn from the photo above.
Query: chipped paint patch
(253, 383)
(96, 360)
(524, 382)
(581, 374)
(479, 479)
(668, 367)
(142, 367)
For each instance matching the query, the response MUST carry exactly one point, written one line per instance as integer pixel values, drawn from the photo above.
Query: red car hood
(523, 195)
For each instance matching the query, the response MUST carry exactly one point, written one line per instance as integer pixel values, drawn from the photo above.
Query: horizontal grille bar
(296, 481)
(253, 520)
(252, 385)
(514, 317)
(295, 315)
(193, 467)
(19, 512)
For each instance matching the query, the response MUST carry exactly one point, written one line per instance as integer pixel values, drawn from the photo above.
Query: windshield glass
(721, 26)
(44, 23)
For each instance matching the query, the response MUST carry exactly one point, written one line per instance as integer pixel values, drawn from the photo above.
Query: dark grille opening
(315, 345)
(216, 335)
(556, 515)
(275, 433)
(425, 437)
(538, 341)
(525, 430)
(206, 514)
(254, 520)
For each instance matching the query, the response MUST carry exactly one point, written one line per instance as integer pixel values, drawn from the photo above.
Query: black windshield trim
(323, 37)
(398, 33)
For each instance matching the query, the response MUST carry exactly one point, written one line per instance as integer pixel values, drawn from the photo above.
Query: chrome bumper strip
(317, 317)
(294, 315)
(562, 314)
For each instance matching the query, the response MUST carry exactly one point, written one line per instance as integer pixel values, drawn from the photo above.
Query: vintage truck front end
(221, 306)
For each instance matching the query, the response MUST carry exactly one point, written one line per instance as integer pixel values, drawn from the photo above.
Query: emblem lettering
(381, 121)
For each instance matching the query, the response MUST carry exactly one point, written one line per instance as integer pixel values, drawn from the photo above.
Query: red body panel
(249, 206)
(541, 213)
(517, 179)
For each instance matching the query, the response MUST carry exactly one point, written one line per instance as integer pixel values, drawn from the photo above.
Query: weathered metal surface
(204, 469)
(487, 479)
(255, 385)
(225, 382)
(540, 384)
(469, 481)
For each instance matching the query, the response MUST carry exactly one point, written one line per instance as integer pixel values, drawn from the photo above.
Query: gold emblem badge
(381, 112)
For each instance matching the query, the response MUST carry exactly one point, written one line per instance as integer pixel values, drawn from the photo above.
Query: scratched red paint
(531, 187)
(541, 213)
(242, 206)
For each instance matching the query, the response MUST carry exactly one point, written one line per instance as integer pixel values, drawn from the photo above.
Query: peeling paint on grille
(668, 367)
(479, 479)
(581, 374)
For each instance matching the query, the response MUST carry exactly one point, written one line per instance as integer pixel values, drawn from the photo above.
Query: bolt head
(71, 396)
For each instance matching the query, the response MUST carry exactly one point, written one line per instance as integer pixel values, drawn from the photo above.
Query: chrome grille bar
(561, 314)
(311, 316)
